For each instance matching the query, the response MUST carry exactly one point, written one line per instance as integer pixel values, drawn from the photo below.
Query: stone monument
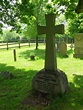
(78, 45)
(50, 79)
(63, 49)
(71, 46)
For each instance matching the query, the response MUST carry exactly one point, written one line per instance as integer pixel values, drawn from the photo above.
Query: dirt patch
(36, 99)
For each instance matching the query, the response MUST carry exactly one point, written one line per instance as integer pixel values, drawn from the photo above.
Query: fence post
(19, 44)
(14, 51)
(7, 45)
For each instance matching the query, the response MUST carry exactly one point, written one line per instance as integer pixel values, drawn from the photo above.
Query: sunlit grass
(13, 91)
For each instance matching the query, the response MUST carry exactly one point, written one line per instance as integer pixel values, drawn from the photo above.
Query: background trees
(9, 36)
(25, 15)
(75, 25)
(14, 11)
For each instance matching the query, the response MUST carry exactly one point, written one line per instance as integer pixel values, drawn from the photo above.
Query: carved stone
(48, 81)
(50, 30)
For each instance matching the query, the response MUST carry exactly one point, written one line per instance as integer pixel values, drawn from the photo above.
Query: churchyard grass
(13, 91)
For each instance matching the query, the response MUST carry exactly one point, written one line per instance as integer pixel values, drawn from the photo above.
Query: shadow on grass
(40, 53)
(79, 58)
(76, 96)
(13, 91)
(65, 56)
(70, 51)
(73, 100)
(61, 56)
(17, 72)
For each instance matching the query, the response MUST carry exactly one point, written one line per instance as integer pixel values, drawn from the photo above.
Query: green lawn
(14, 91)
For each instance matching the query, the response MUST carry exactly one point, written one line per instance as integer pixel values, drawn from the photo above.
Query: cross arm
(59, 29)
(41, 30)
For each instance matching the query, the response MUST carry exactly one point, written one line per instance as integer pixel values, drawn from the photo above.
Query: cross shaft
(50, 30)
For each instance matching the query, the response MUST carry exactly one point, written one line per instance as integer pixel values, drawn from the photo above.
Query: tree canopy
(75, 25)
(14, 12)
(24, 15)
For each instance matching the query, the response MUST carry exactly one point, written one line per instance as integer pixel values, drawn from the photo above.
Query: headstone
(63, 49)
(50, 79)
(71, 46)
(7, 75)
(78, 43)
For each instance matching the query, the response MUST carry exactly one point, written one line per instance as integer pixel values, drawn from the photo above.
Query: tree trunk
(36, 42)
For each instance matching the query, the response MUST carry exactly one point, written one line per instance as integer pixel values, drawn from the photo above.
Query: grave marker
(50, 30)
(63, 49)
(71, 46)
(7, 75)
(78, 43)
(50, 79)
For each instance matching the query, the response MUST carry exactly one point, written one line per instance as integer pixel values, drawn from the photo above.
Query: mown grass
(13, 91)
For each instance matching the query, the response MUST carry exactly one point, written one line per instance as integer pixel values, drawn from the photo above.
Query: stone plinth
(48, 81)
(78, 43)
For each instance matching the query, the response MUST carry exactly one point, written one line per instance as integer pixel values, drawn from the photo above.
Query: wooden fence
(18, 44)
(12, 45)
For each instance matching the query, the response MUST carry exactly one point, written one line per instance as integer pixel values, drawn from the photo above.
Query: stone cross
(50, 30)
(50, 79)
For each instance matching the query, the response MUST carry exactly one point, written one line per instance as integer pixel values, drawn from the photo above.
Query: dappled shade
(79, 8)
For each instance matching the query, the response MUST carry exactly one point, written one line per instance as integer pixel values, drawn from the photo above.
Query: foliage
(14, 12)
(9, 35)
(67, 6)
(30, 30)
(75, 25)
(20, 13)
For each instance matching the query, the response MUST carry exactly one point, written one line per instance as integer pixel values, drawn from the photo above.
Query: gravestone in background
(7, 75)
(63, 49)
(57, 45)
(50, 79)
(71, 46)
(78, 44)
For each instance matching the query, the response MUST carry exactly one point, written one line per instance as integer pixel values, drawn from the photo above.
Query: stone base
(48, 81)
(78, 55)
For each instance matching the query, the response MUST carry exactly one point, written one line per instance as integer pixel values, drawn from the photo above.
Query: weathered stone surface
(50, 30)
(47, 81)
(50, 80)
(78, 43)
(63, 48)
(7, 75)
